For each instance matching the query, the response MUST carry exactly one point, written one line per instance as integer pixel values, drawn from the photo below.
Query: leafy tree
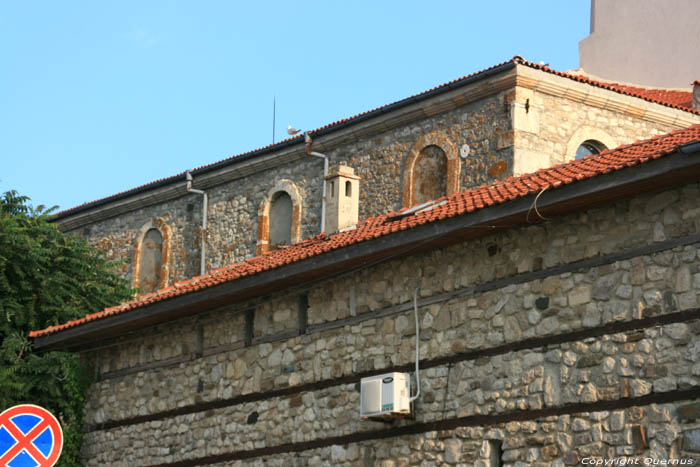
(47, 278)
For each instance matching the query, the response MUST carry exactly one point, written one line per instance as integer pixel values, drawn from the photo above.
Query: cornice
(558, 86)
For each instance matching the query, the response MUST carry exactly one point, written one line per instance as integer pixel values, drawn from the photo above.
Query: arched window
(588, 147)
(431, 170)
(588, 140)
(279, 217)
(151, 257)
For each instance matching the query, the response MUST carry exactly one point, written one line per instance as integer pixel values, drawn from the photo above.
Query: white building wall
(645, 42)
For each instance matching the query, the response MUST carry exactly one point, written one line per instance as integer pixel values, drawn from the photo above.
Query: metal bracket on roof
(427, 206)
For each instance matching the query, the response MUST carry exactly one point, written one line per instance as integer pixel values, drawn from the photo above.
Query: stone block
(572, 458)
(453, 454)
(604, 286)
(580, 295)
(661, 201)
(691, 440)
(504, 139)
(589, 360)
(511, 329)
(683, 279)
(551, 285)
(687, 300)
(616, 421)
(689, 411)
(639, 438)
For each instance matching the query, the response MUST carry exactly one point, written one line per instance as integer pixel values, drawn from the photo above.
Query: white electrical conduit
(415, 310)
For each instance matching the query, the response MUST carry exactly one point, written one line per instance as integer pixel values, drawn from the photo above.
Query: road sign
(30, 436)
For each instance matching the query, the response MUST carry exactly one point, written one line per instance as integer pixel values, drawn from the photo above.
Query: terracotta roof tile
(454, 205)
(670, 98)
(676, 99)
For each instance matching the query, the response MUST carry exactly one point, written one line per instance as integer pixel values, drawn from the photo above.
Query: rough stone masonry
(526, 350)
(572, 338)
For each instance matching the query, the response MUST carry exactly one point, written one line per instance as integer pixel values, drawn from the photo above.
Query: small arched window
(281, 219)
(150, 261)
(348, 188)
(587, 140)
(588, 147)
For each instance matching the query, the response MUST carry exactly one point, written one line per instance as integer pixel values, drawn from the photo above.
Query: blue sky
(100, 97)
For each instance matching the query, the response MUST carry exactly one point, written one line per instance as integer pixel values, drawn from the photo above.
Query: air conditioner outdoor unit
(385, 396)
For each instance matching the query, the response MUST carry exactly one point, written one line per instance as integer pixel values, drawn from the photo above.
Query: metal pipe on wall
(205, 202)
(309, 152)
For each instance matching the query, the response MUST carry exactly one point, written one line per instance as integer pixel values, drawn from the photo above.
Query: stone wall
(519, 129)
(572, 338)
(649, 434)
(234, 206)
(554, 127)
(610, 368)
(232, 219)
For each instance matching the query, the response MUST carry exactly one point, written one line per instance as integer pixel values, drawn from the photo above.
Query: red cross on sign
(29, 436)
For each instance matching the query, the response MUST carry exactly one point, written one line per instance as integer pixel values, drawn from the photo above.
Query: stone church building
(543, 225)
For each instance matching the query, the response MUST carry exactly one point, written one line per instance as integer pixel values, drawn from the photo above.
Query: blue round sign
(30, 436)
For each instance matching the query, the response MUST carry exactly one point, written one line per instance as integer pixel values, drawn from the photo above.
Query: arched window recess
(588, 140)
(150, 267)
(279, 217)
(431, 170)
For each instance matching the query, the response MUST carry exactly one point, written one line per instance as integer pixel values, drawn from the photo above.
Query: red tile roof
(675, 99)
(672, 97)
(446, 207)
(669, 97)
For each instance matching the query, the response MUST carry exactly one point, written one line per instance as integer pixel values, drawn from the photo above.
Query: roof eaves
(597, 170)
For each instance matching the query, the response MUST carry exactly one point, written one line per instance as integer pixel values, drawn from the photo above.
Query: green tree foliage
(47, 278)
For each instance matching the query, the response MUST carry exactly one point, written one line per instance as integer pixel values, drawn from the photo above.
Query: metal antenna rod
(274, 109)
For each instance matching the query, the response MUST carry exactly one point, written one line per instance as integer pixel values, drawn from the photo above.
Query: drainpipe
(309, 152)
(205, 200)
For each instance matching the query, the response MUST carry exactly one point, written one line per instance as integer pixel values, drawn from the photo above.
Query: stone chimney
(696, 95)
(342, 199)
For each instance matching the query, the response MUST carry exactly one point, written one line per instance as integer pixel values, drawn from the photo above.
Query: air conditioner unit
(385, 396)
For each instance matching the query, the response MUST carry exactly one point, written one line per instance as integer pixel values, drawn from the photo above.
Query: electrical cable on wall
(533, 206)
(415, 310)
